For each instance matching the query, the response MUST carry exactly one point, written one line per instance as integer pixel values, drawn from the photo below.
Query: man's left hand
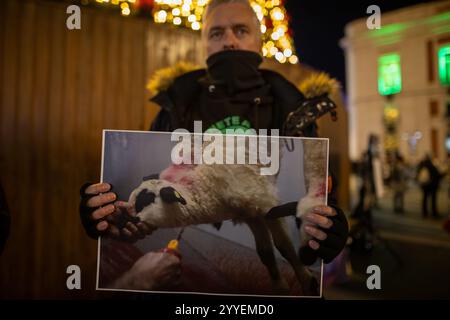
(329, 229)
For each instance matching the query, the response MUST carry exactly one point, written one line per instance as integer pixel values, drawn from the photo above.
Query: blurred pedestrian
(362, 231)
(399, 182)
(429, 178)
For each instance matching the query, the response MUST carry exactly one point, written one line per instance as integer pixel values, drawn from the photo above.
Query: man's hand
(102, 215)
(153, 271)
(329, 229)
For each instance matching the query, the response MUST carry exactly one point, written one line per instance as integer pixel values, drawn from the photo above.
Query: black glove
(330, 247)
(334, 243)
(89, 224)
(119, 219)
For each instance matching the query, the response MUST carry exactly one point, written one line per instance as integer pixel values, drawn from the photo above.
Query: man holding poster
(233, 94)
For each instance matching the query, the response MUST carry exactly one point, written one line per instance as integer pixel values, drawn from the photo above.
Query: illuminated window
(389, 74)
(444, 65)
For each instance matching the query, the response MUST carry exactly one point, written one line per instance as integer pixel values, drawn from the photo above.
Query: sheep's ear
(170, 195)
(151, 177)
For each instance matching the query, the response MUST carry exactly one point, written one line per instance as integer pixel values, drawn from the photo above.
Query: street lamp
(390, 84)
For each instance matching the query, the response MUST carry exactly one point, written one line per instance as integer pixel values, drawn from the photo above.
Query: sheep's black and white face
(157, 203)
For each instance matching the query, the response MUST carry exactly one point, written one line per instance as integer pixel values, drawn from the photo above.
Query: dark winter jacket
(182, 97)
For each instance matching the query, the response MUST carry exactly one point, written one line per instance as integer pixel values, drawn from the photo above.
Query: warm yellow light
(391, 114)
(293, 59)
(176, 11)
(270, 44)
(264, 51)
(263, 28)
(279, 56)
(115, 2)
(177, 21)
(131, 1)
(257, 8)
(275, 36)
(273, 50)
(161, 16)
(202, 3)
(199, 11)
(280, 31)
(192, 18)
(186, 8)
(126, 11)
(284, 42)
(277, 14)
(123, 5)
(195, 26)
(287, 53)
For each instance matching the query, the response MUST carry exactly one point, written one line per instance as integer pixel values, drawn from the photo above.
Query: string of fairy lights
(277, 36)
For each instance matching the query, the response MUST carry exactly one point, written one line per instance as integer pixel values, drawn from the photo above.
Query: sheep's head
(158, 203)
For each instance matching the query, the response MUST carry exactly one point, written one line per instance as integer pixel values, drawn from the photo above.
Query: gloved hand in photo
(102, 215)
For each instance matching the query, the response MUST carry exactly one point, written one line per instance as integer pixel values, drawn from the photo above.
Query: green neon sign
(444, 65)
(389, 74)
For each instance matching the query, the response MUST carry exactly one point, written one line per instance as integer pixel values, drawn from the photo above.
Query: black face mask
(235, 70)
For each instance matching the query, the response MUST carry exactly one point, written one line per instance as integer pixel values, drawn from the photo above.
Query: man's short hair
(215, 3)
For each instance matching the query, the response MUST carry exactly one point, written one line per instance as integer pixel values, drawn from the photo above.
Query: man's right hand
(99, 211)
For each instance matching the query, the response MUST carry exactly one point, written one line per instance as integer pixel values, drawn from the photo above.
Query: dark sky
(318, 26)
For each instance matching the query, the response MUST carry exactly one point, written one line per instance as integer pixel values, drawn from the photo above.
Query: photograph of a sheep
(226, 228)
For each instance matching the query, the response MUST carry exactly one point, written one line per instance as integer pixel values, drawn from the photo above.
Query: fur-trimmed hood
(163, 78)
(317, 84)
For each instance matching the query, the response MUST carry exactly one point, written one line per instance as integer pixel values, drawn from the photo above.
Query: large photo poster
(219, 214)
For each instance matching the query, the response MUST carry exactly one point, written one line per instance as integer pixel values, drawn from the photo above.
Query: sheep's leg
(284, 245)
(315, 171)
(264, 248)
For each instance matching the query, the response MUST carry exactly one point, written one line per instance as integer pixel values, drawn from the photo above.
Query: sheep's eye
(170, 195)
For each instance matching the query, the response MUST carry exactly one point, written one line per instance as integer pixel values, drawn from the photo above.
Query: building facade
(398, 80)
